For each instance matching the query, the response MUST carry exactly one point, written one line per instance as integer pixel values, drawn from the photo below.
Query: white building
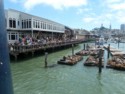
(20, 23)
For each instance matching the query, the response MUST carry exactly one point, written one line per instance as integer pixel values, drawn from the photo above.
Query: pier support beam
(5, 74)
(15, 57)
(32, 53)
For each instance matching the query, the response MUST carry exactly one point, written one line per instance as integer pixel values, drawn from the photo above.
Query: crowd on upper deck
(42, 39)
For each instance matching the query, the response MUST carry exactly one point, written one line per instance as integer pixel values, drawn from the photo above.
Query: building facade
(122, 27)
(20, 24)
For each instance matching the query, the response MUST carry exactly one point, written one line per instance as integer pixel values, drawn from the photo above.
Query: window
(42, 25)
(45, 25)
(14, 23)
(22, 24)
(13, 37)
(34, 24)
(38, 25)
(29, 23)
(50, 27)
(10, 22)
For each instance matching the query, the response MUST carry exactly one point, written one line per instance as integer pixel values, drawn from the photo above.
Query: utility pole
(5, 74)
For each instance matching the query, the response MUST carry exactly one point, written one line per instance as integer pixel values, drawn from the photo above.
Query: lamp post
(5, 74)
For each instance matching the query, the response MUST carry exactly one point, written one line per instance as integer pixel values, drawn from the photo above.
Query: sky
(82, 14)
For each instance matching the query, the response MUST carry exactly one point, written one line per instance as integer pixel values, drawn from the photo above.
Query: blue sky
(86, 14)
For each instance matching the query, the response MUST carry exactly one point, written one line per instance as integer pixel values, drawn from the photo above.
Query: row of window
(27, 23)
(44, 25)
(12, 22)
(13, 36)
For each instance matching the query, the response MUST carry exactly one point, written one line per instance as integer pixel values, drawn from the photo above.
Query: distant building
(110, 27)
(83, 34)
(122, 27)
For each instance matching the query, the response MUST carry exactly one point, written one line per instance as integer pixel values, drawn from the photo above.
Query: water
(30, 77)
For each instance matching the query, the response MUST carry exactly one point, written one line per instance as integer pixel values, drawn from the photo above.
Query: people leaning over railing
(41, 41)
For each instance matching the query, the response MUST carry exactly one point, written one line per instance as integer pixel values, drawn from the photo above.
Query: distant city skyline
(85, 14)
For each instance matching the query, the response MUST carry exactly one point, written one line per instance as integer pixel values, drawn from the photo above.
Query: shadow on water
(99, 80)
(99, 76)
(51, 66)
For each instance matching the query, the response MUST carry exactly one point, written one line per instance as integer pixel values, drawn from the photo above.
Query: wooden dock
(15, 50)
(115, 52)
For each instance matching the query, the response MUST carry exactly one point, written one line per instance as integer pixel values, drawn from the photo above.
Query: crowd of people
(42, 39)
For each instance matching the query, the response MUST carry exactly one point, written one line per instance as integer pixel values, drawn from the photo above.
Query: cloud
(120, 6)
(112, 1)
(115, 4)
(97, 20)
(120, 17)
(57, 4)
(82, 10)
(88, 19)
(14, 1)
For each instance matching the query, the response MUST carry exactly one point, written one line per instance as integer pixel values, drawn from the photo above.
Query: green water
(30, 77)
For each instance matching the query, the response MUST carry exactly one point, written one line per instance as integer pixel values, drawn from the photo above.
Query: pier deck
(15, 50)
(115, 52)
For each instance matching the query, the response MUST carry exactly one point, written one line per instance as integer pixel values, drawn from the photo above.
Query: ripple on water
(30, 77)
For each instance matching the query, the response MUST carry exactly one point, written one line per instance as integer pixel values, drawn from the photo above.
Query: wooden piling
(118, 44)
(100, 60)
(84, 46)
(72, 49)
(87, 47)
(108, 50)
(46, 55)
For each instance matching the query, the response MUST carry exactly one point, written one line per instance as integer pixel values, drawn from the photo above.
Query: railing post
(5, 74)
